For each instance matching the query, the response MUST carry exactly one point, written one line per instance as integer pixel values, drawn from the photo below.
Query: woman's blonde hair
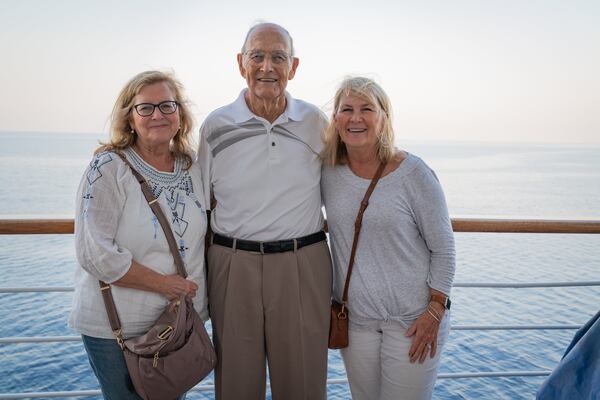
(121, 133)
(335, 152)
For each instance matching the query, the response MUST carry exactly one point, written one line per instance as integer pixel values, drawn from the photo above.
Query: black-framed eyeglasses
(147, 109)
(277, 57)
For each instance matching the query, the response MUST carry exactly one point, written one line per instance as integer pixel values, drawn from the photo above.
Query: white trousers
(379, 368)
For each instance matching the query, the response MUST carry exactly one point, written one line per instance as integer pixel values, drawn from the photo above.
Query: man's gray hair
(269, 24)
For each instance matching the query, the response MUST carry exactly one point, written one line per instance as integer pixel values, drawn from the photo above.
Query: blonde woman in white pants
(404, 266)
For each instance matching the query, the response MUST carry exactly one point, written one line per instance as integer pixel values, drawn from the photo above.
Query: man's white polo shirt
(265, 177)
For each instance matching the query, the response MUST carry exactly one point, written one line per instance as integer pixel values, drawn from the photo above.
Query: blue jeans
(108, 363)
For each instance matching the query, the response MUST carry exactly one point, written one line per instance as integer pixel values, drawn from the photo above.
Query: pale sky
(525, 71)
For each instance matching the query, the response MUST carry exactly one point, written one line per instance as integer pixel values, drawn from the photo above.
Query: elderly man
(269, 268)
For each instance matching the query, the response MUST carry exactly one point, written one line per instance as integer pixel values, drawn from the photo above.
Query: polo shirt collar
(242, 113)
(292, 109)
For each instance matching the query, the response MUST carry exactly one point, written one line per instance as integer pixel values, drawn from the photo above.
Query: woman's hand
(173, 286)
(425, 332)
(143, 278)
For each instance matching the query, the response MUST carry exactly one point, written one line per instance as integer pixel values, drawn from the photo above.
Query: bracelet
(436, 312)
(433, 315)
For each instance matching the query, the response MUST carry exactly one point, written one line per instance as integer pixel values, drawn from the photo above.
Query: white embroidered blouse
(114, 225)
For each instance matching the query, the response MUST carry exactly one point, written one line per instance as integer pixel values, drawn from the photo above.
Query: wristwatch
(443, 300)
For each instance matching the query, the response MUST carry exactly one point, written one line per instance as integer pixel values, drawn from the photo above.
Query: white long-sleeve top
(405, 247)
(114, 225)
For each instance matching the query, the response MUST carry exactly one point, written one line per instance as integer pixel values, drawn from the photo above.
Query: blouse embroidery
(94, 173)
(177, 206)
(159, 181)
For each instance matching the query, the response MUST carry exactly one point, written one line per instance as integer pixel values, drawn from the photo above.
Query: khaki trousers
(270, 309)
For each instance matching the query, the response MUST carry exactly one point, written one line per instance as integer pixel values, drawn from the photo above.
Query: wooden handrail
(36, 226)
(525, 225)
(65, 226)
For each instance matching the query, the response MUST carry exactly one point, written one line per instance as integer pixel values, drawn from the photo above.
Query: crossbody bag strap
(164, 223)
(109, 302)
(357, 225)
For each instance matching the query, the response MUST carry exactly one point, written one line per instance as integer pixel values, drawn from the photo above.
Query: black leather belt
(279, 246)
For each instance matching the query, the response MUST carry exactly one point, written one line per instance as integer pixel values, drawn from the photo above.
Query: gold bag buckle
(119, 336)
(164, 335)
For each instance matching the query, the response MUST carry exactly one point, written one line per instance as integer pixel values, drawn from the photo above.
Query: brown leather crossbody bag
(338, 325)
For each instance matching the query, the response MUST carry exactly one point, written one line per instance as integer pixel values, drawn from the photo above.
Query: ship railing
(471, 225)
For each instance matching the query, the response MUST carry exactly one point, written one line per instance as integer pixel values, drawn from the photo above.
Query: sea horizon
(399, 139)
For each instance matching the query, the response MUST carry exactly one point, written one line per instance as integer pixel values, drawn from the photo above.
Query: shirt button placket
(272, 144)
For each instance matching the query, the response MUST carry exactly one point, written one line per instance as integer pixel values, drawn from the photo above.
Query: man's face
(267, 64)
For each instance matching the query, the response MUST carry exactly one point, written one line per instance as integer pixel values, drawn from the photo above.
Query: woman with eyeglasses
(119, 240)
(398, 299)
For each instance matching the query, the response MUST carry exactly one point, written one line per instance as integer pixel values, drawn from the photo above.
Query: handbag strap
(109, 301)
(357, 225)
(162, 219)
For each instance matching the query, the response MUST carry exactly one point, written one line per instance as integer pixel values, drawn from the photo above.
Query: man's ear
(240, 60)
(295, 63)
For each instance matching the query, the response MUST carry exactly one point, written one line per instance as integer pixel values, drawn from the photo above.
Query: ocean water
(39, 174)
